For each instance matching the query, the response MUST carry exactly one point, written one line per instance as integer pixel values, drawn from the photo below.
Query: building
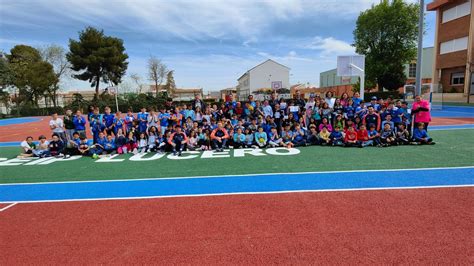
(262, 79)
(187, 94)
(452, 70)
(227, 92)
(330, 79)
(427, 58)
(212, 96)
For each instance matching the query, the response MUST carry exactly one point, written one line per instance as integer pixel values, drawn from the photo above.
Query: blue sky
(207, 43)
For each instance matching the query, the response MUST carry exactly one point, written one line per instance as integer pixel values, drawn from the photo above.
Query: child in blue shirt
(239, 139)
(108, 118)
(142, 118)
(261, 137)
(287, 136)
(274, 139)
(299, 136)
(248, 138)
(420, 136)
(374, 135)
(336, 138)
(109, 145)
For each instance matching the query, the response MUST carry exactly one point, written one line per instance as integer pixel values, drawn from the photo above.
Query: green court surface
(453, 148)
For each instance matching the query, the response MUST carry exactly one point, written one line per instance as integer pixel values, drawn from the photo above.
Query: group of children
(328, 121)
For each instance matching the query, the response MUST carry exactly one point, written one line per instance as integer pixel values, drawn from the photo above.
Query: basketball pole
(362, 80)
(420, 48)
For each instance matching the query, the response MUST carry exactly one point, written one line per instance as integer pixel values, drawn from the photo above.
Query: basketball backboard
(350, 65)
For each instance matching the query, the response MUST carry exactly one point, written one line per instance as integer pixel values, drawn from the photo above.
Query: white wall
(260, 76)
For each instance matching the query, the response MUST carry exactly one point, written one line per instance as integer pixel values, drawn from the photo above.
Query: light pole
(420, 48)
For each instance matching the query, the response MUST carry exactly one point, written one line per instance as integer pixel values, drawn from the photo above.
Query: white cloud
(291, 56)
(190, 20)
(330, 46)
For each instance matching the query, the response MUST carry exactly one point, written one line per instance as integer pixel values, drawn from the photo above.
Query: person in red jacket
(350, 140)
(219, 137)
(363, 137)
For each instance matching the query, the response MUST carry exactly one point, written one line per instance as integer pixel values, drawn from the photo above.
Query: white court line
(262, 174)
(9, 206)
(245, 193)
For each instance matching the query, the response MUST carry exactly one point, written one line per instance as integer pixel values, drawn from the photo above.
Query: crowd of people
(345, 121)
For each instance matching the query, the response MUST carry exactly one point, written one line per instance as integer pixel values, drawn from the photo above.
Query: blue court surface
(242, 184)
(454, 112)
(20, 120)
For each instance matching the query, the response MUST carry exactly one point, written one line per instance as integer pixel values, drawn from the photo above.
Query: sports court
(278, 206)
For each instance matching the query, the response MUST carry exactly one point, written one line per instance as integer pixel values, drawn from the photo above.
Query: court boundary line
(243, 193)
(8, 207)
(242, 175)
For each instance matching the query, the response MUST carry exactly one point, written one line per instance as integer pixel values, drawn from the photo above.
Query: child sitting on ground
(336, 137)
(374, 135)
(109, 146)
(239, 139)
(402, 135)
(350, 140)
(142, 143)
(420, 136)
(275, 140)
(324, 136)
(261, 138)
(363, 137)
(387, 136)
(56, 146)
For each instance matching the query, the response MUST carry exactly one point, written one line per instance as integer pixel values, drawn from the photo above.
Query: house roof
(246, 72)
(436, 4)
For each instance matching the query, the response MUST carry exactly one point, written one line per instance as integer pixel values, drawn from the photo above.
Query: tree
(137, 80)
(56, 56)
(386, 34)
(6, 79)
(98, 57)
(31, 75)
(170, 85)
(157, 72)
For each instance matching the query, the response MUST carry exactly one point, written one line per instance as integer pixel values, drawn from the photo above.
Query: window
(457, 79)
(457, 12)
(453, 45)
(412, 70)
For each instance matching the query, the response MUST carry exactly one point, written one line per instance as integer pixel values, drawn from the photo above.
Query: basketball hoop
(352, 65)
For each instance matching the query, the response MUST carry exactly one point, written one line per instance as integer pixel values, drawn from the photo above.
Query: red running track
(423, 226)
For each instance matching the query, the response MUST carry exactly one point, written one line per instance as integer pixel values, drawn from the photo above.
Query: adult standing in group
(198, 103)
(298, 100)
(57, 125)
(69, 123)
(267, 109)
(421, 111)
(330, 99)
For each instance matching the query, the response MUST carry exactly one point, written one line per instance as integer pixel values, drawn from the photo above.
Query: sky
(208, 43)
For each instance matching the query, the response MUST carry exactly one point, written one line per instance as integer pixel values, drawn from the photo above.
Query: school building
(452, 68)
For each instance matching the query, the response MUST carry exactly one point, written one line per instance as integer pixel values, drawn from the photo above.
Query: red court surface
(19, 132)
(442, 121)
(422, 226)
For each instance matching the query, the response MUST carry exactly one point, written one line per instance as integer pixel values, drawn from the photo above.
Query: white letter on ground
(278, 151)
(254, 152)
(190, 156)
(139, 157)
(213, 154)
